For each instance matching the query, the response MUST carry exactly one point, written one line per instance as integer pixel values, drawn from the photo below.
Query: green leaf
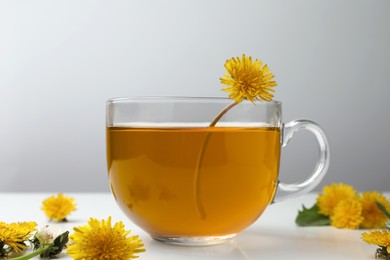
(3, 253)
(58, 244)
(383, 209)
(311, 217)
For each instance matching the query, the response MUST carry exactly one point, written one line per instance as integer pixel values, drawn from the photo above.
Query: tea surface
(152, 174)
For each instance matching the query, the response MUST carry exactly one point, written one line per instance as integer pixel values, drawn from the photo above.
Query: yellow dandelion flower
(333, 194)
(248, 79)
(14, 235)
(373, 216)
(347, 214)
(58, 207)
(378, 237)
(245, 79)
(99, 240)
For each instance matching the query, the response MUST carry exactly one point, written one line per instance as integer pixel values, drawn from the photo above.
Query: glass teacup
(185, 182)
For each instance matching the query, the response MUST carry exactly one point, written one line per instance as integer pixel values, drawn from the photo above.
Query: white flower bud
(47, 234)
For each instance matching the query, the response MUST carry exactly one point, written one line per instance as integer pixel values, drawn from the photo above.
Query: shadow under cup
(185, 182)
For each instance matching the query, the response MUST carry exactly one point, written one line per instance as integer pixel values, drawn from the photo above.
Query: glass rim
(183, 98)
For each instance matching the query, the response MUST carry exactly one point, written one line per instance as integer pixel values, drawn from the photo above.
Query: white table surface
(273, 236)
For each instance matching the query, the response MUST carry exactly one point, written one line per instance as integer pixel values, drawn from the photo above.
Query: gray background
(61, 60)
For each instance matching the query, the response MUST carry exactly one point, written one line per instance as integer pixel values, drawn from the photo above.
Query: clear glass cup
(184, 182)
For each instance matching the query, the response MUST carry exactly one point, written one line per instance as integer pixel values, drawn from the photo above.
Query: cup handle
(287, 191)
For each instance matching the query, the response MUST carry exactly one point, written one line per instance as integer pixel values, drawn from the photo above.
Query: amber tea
(152, 174)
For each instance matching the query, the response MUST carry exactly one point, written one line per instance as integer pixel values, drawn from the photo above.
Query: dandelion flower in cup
(101, 240)
(58, 207)
(13, 236)
(380, 238)
(248, 79)
(347, 214)
(333, 194)
(373, 216)
(245, 79)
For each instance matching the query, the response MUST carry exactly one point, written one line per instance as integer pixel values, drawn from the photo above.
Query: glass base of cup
(194, 241)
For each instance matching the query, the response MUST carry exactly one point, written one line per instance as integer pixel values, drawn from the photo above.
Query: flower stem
(197, 189)
(222, 113)
(33, 253)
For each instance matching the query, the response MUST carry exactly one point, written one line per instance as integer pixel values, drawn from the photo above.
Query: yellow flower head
(378, 237)
(14, 235)
(333, 194)
(373, 216)
(99, 240)
(247, 79)
(347, 214)
(58, 207)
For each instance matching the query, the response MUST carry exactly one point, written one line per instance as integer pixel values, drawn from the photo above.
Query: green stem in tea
(198, 201)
